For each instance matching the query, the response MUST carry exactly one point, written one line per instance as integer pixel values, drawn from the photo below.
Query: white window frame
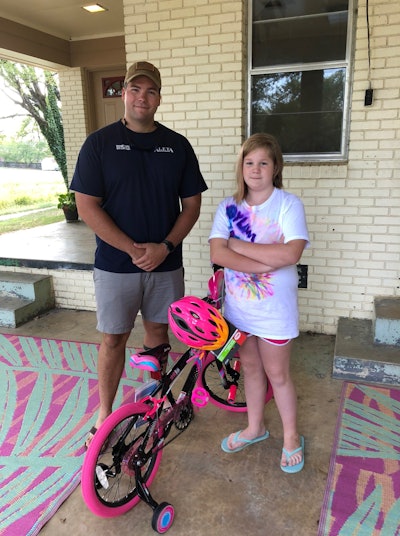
(346, 63)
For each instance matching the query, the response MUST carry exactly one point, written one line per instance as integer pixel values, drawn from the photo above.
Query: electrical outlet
(302, 272)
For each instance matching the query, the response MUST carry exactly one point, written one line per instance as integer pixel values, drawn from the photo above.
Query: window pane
(279, 9)
(304, 110)
(301, 40)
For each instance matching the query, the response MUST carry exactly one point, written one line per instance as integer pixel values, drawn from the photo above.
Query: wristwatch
(170, 245)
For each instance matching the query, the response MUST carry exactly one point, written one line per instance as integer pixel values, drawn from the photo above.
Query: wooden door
(107, 105)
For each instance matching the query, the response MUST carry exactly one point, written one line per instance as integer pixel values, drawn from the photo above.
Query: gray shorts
(119, 298)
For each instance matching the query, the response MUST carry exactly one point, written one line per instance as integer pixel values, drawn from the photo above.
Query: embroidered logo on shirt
(163, 150)
(124, 147)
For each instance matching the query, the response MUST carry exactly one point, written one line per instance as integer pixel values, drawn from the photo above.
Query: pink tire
(108, 476)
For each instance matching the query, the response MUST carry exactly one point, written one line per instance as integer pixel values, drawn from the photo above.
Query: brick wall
(353, 209)
(75, 115)
(199, 48)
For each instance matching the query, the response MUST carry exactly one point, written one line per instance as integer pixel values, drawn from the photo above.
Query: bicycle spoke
(225, 386)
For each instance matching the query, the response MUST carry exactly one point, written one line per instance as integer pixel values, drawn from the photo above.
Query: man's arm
(91, 212)
(154, 254)
(187, 218)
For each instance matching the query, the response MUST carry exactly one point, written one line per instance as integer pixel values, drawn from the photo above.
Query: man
(138, 186)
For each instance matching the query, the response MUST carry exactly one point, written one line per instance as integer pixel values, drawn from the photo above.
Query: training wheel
(163, 517)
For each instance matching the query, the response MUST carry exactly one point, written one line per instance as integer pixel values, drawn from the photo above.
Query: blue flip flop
(246, 442)
(299, 466)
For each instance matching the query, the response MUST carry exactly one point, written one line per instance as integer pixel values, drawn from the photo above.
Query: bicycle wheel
(226, 386)
(108, 473)
(163, 517)
(231, 395)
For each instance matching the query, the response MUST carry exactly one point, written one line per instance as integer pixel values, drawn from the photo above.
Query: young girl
(258, 236)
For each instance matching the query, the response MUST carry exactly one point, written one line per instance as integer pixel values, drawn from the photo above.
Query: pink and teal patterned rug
(48, 402)
(362, 497)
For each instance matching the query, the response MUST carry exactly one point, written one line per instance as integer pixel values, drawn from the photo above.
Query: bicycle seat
(216, 288)
(151, 359)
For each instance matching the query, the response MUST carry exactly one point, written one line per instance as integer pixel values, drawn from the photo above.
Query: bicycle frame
(194, 383)
(192, 393)
(150, 430)
(125, 453)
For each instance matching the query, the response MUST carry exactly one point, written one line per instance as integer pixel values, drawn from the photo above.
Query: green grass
(34, 219)
(23, 190)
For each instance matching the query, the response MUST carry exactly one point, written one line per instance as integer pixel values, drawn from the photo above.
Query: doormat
(48, 403)
(362, 496)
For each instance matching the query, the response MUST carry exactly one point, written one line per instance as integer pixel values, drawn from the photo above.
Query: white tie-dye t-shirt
(263, 304)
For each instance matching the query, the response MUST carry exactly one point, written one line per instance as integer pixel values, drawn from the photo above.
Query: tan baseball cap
(143, 68)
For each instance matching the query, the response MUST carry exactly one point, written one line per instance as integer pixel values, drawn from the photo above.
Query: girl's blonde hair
(258, 141)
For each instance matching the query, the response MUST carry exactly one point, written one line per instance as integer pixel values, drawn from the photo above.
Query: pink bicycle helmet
(197, 323)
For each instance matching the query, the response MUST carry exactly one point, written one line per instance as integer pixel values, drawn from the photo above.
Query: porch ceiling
(65, 18)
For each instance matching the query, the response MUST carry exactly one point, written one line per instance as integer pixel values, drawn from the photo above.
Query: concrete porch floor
(212, 492)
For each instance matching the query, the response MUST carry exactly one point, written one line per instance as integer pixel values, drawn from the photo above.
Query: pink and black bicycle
(125, 453)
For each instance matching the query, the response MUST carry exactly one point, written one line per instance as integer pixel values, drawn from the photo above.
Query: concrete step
(387, 320)
(24, 296)
(358, 358)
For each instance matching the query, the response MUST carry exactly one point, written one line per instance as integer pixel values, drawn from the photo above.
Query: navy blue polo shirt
(141, 179)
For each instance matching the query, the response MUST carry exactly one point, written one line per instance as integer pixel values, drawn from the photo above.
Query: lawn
(26, 190)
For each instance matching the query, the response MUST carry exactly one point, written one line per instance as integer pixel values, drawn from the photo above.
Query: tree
(37, 92)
